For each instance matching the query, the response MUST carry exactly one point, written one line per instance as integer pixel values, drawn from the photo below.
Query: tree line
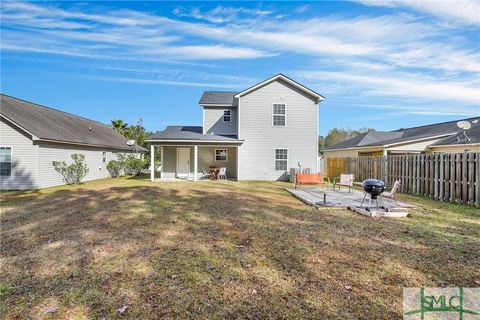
(337, 135)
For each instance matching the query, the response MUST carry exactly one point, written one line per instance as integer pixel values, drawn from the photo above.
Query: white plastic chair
(222, 173)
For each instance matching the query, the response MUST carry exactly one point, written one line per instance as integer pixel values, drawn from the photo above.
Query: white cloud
(463, 11)
(401, 85)
(163, 82)
(220, 14)
(374, 56)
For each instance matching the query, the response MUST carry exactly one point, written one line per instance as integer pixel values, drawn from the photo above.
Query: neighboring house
(257, 134)
(33, 136)
(439, 137)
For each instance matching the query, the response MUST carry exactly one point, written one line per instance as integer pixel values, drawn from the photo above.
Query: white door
(183, 162)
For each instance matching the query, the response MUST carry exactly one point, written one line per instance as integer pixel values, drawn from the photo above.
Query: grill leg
(376, 200)
(384, 205)
(364, 196)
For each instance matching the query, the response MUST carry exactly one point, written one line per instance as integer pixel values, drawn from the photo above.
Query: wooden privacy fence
(453, 177)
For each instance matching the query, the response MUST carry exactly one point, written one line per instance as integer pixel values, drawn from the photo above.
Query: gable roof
(318, 97)
(230, 98)
(382, 138)
(220, 98)
(190, 133)
(45, 123)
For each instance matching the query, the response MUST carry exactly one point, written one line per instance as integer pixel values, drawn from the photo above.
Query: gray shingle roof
(380, 138)
(175, 133)
(51, 124)
(221, 98)
(473, 134)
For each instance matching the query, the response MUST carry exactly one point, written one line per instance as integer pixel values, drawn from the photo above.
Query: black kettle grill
(374, 188)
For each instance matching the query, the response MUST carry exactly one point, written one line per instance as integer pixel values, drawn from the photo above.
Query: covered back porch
(187, 153)
(194, 161)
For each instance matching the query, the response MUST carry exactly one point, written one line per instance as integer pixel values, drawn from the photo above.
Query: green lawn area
(212, 250)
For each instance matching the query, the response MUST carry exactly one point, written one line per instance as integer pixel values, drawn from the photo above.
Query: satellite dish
(465, 125)
(130, 142)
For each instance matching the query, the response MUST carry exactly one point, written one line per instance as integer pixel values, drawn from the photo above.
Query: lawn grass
(208, 250)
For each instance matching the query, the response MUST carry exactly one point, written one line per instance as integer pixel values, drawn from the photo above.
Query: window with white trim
(5, 161)
(221, 154)
(281, 159)
(227, 115)
(104, 157)
(279, 115)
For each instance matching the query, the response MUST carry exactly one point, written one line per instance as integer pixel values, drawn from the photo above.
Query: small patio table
(214, 171)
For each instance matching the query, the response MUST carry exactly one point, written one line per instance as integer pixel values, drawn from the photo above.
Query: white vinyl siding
(214, 120)
(23, 173)
(256, 154)
(281, 159)
(94, 158)
(279, 115)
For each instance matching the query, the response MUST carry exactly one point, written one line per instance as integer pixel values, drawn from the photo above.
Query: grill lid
(373, 183)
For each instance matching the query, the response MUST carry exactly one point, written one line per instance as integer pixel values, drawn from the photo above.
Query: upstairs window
(281, 159)
(279, 115)
(227, 116)
(221, 155)
(5, 161)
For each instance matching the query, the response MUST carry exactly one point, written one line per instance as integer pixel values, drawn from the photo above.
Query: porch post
(195, 162)
(152, 162)
(161, 162)
(238, 164)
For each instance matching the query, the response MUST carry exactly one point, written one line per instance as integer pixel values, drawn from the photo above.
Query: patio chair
(206, 174)
(222, 173)
(391, 194)
(345, 180)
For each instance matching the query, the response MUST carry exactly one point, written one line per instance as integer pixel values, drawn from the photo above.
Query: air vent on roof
(89, 128)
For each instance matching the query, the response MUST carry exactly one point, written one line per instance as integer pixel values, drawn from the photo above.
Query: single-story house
(254, 134)
(439, 137)
(33, 136)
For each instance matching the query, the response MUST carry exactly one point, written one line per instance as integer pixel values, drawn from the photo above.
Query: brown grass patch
(220, 250)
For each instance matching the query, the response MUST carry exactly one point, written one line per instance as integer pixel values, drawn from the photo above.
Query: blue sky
(382, 64)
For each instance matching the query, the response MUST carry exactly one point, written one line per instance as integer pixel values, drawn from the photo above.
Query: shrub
(72, 173)
(114, 168)
(133, 166)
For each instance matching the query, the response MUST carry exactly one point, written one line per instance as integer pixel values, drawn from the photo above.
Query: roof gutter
(91, 145)
(454, 145)
(216, 105)
(193, 141)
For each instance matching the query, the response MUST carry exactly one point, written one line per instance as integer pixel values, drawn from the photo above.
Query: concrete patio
(346, 200)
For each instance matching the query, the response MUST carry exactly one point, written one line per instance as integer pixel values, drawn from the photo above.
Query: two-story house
(257, 134)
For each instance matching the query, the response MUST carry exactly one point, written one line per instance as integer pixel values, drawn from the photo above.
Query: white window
(281, 159)
(221, 154)
(5, 161)
(104, 157)
(279, 115)
(227, 116)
